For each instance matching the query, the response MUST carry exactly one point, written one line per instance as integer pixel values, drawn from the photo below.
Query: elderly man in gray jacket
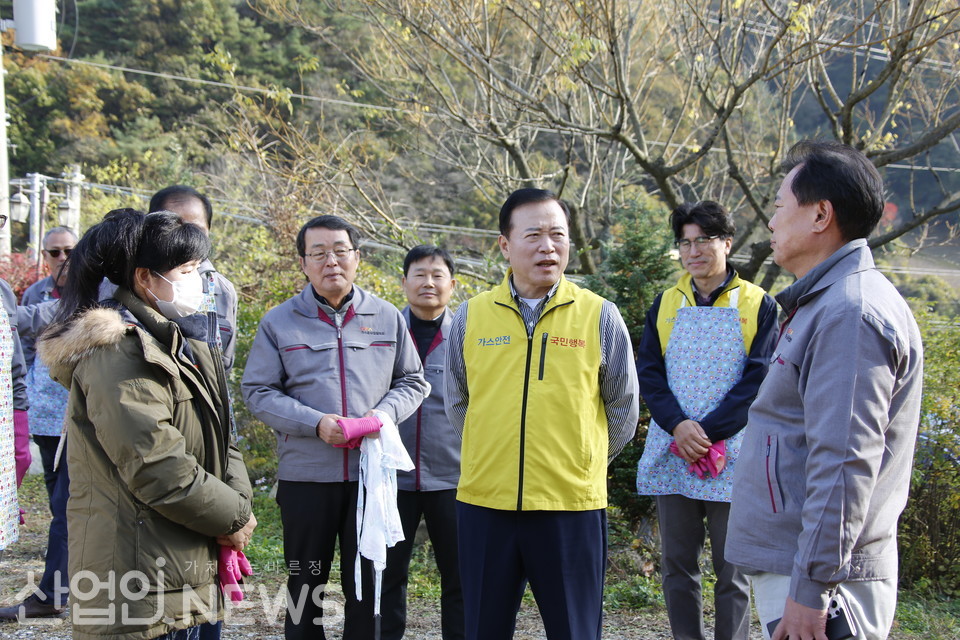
(825, 466)
(333, 351)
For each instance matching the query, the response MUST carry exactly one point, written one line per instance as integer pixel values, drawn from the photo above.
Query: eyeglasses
(700, 241)
(340, 254)
(55, 253)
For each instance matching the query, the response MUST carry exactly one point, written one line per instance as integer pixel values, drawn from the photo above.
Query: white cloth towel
(378, 520)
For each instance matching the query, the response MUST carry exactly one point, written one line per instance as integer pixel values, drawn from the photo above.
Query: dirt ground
(260, 616)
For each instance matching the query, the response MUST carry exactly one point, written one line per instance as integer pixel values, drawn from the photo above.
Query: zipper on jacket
(419, 432)
(526, 387)
(523, 417)
(338, 320)
(543, 353)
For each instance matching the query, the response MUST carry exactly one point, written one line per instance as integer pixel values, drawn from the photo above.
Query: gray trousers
(684, 523)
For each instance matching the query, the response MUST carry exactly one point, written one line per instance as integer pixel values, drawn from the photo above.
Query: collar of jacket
(444, 323)
(305, 303)
(563, 293)
(102, 327)
(157, 327)
(851, 258)
(162, 342)
(205, 267)
(685, 286)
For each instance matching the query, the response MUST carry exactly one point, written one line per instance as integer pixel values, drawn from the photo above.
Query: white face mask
(187, 297)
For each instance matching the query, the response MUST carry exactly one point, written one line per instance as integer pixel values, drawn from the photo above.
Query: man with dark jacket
(825, 466)
(332, 351)
(430, 490)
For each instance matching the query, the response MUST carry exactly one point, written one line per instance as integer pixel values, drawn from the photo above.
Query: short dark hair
(843, 176)
(326, 222)
(521, 197)
(174, 194)
(123, 241)
(710, 216)
(422, 251)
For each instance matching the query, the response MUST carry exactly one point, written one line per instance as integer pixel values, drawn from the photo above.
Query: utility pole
(37, 31)
(4, 166)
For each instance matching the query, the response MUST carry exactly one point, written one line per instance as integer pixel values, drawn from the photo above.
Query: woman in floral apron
(702, 357)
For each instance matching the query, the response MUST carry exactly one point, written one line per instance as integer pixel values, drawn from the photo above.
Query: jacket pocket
(543, 354)
(169, 555)
(773, 480)
(302, 361)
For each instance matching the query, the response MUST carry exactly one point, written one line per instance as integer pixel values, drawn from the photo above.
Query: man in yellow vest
(540, 381)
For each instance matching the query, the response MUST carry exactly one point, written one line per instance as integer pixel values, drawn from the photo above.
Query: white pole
(4, 169)
(36, 32)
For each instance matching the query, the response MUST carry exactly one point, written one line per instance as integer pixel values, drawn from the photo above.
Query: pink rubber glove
(354, 429)
(716, 458)
(710, 464)
(21, 444)
(232, 566)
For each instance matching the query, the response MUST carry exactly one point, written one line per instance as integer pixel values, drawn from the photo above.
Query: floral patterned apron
(704, 359)
(9, 510)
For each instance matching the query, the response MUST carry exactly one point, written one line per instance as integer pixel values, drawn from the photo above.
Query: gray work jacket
(430, 439)
(824, 470)
(307, 361)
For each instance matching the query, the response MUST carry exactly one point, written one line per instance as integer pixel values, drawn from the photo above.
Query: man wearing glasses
(333, 351)
(703, 354)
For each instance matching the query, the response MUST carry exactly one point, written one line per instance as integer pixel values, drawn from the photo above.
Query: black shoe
(32, 607)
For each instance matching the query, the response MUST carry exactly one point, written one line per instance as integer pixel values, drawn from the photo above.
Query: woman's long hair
(126, 239)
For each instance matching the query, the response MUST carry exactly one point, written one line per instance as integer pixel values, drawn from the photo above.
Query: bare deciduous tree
(685, 99)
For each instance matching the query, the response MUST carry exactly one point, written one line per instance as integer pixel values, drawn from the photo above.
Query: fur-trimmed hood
(65, 345)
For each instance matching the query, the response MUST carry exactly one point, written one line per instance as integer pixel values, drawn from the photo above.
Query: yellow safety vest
(536, 434)
(749, 295)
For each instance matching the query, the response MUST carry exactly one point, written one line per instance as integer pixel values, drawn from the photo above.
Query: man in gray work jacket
(330, 352)
(825, 465)
(429, 491)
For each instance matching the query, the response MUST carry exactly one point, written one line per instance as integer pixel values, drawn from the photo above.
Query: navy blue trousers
(562, 554)
(48, 451)
(55, 583)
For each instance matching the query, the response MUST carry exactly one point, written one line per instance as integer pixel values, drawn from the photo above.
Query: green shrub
(633, 272)
(929, 534)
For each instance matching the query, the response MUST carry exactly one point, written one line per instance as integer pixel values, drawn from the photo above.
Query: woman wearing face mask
(154, 483)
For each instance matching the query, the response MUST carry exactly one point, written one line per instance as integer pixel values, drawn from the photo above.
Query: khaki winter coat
(153, 479)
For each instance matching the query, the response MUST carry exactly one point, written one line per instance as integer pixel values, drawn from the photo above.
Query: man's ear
(504, 247)
(826, 216)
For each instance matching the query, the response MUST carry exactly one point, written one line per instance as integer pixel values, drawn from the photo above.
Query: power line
(366, 105)
(215, 83)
